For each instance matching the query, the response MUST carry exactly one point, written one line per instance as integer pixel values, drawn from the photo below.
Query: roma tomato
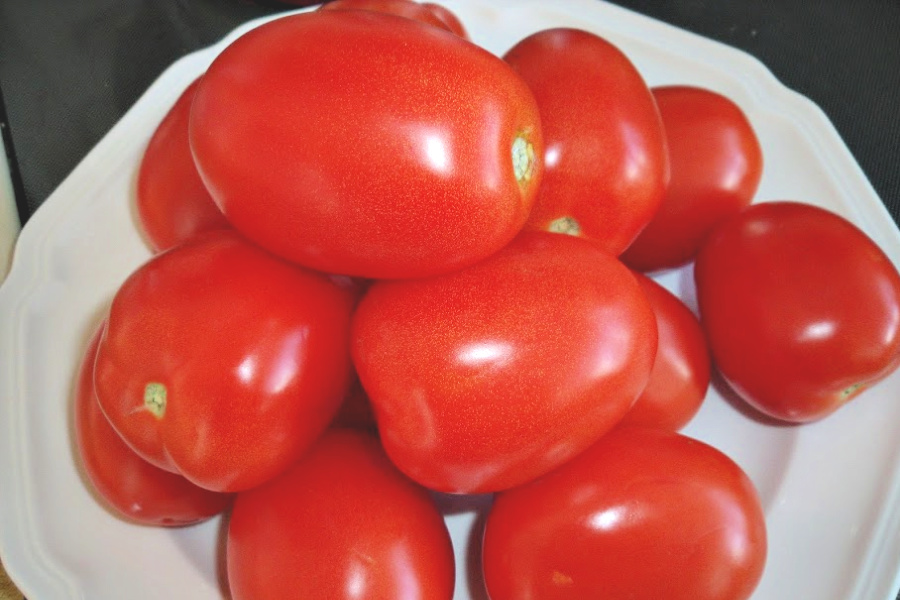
(222, 362)
(716, 166)
(488, 377)
(425, 13)
(680, 376)
(133, 488)
(359, 143)
(643, 514)
(173, 203)
(341, 524)
(451, 21)
(800, 307)
(605, 157)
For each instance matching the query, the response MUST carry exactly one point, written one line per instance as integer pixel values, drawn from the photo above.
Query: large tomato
(222, 362)
(133, 488)
(432, 14)
(680, 376)
(716, 163)
(801, 308)
(172, 202)
(361, 143)
(643, 514)
(341, 524)
(490, 376)
(605, 157)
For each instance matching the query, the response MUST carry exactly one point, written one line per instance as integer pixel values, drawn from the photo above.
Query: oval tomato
(449, 18)
(222, 362)
(358, 143)
(133, 488)
(680, 376)
(605, 157)
(643, 514)
(716, 166)
(490, 376)
(800, 307)
(425, 13)
(342, 523)
(173, 203)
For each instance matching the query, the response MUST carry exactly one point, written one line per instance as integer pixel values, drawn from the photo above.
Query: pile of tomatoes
(426, 273)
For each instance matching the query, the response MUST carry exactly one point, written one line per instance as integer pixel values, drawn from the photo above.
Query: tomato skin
(320, 139)
(716, 166)
(253, 355)
(173, 203)
(642, 514)
(402, 8)
(681, 371)
(515, 377)
(448, 17)
(342, 523)
(134, 489)
(606, 164)
(800, 307)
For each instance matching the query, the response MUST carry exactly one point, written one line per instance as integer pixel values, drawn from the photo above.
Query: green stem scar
(849, 391)
(566, 225)
(155, 399)
(523, 159)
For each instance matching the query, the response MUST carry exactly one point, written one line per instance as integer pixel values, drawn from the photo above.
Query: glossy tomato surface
(133, 488)
(605, 157)
(716, 165)
(425, 13)
(800, 307)
(643, 514)
(487, 377)
(172, 201)
(359, 143)
(222, 362)
(681, 371)
(341, 524)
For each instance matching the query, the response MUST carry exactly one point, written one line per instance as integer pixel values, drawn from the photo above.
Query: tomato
(800, 307)
(425, 13)
(716, 166)
(605, 157)
(356, 410)
(222, 362)
(342, 523)
(490, 376)
(642, 514)
(680, 376)
(358, 143)
(172, 201)
(133, 488)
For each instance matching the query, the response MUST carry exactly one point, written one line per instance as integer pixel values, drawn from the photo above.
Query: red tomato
(356, 410)
(410, 9)
(451, 21)
(801, 308)
(133, 488)
(605, 157)
(643, 514)
(358, 143)
(172, 202)
(485, 378)
(342, 523)
(222, 362)
(680, 376)
(716, 165)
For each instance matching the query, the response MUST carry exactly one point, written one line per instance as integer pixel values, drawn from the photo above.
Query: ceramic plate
(831, 490)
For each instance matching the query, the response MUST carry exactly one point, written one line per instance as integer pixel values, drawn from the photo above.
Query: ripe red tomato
(341, 524)
(716, 165)
(451, 21)
(172, 201)
(485, 378)
(605, 157)
(222, 362)
(680, 376)
(133, 488)
(358, 143)
(643, 514)
(432, 14)
(801, 308)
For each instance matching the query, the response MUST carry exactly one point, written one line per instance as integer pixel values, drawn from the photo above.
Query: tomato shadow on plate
(473, 510)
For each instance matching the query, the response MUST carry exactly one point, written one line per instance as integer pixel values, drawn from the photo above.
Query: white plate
(831, 490)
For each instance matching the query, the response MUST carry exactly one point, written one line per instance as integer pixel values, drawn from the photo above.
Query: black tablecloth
(70, 70)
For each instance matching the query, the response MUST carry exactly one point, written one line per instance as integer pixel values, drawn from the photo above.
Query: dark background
(70, 70)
